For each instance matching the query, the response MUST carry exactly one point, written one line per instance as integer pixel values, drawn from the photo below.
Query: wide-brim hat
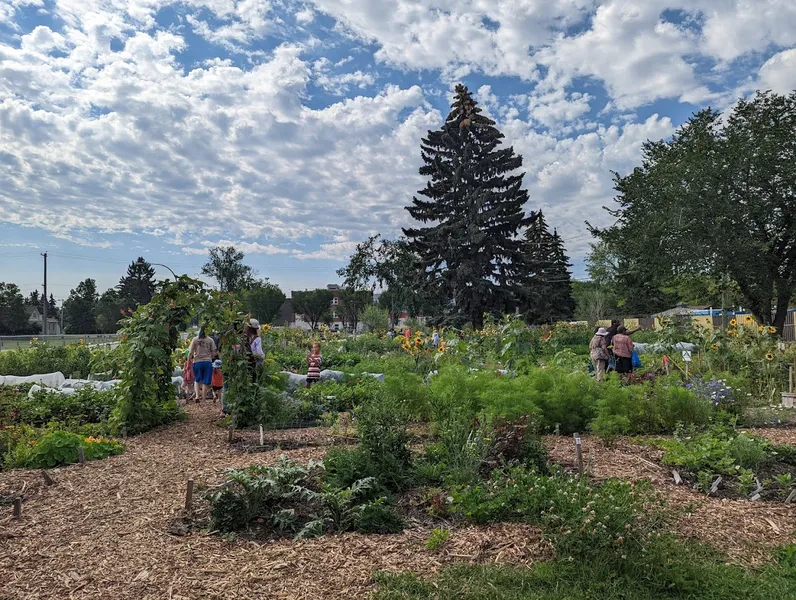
(602, 331)
(254, 323)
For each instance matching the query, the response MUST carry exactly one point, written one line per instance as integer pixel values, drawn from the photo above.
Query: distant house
(36, 318)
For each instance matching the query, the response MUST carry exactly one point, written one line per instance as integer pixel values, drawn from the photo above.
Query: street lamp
(164, 266)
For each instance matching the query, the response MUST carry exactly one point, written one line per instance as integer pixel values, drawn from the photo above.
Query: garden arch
(151, 335)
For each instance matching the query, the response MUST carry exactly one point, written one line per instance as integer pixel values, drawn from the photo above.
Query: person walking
(598, 352)
(201, 352)
(623, 351)
(435, 339)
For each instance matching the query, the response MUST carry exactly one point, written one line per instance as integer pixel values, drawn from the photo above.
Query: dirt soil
(103, 530)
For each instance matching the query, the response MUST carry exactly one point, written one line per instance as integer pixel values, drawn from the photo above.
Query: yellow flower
(748, 318)
(769, 356)
(759, 329)
(733, 323)
(441, 349)
(714, 347)
(772, 330)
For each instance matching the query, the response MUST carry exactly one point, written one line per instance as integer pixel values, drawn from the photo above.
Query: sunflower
(748, 318)
(759, 329)
(772, 330)
(441, 349)
(733, 323)
(769, 356)
(714, 347)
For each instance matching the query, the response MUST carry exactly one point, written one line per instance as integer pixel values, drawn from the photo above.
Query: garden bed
(103, 530)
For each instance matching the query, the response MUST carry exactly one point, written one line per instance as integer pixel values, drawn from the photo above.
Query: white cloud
(333, 251)
(779, 72)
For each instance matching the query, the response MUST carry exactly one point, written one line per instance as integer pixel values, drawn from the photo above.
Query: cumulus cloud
(779, 72)
(113, 121)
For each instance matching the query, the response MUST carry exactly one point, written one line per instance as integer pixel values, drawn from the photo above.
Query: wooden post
(579, 452)
(715, 485)
(48, 480)
(791, 497)
(81, 456)
(229, 436)
(18, 508)
(189, 495)
(677, 479)
(262, 436)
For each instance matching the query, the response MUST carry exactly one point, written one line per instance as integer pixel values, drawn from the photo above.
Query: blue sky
(291, 129)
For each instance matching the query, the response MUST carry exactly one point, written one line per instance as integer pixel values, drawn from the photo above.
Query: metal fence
(12, 342)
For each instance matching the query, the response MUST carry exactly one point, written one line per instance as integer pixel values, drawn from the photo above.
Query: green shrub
(437, 538)
(379, 517)
(344, 466)
(680, 405)
(58, 448)
(382, 435)
(86, 405)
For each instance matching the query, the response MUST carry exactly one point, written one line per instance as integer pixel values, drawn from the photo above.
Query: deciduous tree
(226, 267)
(719, 197)
(313, 306)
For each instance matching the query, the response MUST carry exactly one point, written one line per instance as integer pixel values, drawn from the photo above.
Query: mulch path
(745, 530)
(102, 532)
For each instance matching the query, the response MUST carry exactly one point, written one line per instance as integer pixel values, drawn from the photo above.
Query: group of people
(203, 378)
(202, 370)
(611, 347)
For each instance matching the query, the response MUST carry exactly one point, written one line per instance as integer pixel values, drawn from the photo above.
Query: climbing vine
(149, 337)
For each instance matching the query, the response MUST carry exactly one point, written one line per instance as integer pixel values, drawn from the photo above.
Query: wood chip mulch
(744, 530)
(103, 530)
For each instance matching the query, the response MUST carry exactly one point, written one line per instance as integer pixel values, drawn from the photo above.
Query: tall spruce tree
(139, 283)
(548, 292)
(471, 252)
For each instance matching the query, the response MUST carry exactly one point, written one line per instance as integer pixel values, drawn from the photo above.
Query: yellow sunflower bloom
(759, 329)
(714, 347)
(733, 323)
(769, 356)
(748, 318)
(772, 330)
(441, 349)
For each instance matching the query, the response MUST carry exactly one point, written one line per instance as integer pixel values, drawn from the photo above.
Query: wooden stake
(791, 497)
(579, 452)
(189, 495)
(229, 436)
(48, 480)
(17, 508)
(715, 485)
(262, 436)
(677, 479)
(81, 456)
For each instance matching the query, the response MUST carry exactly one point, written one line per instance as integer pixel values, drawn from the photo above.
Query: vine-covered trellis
(152, 334)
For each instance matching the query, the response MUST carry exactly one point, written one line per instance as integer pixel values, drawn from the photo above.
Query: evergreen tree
(52, 308)
(80, 309)
(548, 292)
(470, 253)
(138, 285)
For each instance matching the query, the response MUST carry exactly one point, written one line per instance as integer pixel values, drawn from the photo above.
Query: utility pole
(45, 300)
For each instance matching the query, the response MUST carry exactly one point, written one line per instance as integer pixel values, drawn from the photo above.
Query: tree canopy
(313, 306)
(263, 300)
(547, 294)
(470, 251)
(225, 265)
(717, 199)
(13, 318)
(138, 285)
(80, 309)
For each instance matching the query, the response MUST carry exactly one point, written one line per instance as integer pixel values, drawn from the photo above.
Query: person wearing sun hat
(217, 381)
(598, 352)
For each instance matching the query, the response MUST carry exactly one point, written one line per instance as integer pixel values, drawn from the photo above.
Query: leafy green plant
(382, 434)
(437, 538)
(785, 479)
